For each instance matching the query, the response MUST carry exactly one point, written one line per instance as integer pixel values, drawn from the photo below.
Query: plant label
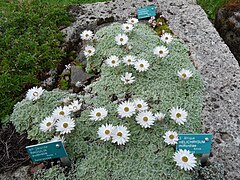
(146, 12)
(195, 143)
(46, 151)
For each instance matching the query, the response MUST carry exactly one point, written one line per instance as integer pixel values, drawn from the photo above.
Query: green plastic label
(146, 12)
(195, 143)
(45, 151)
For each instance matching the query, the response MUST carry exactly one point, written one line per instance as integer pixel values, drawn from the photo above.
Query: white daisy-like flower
(75, 106)
(145, 119)
(68, 67)
(66, 100)
(171, 137)
(154, 24)
(120, 135)
(167, 38)
(113, 61)
(98, 114)
(162, 16)
(127, 28)
(184, 74)
(129, 47)
(160, 51)
(127, 78)
(132, 21)
(61, 112)
(58, 138)
(121, 39)
(141, 65)
(89, 51)
(152, 19)
(179, 115)
(184, 159)
(105, 132)
(140, 105)
(34, 93)
(129, 60)
(47, 124)
(65, 125)
(86, 35)
(79, 84)
(126, 109)
(159, 116)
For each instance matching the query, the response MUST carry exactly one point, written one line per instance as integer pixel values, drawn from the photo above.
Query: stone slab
(211, 56)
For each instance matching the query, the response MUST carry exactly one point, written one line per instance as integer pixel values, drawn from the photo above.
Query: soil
(12, 148)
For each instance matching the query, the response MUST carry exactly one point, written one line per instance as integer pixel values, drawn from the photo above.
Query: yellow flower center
(166, 38)
(119, 134)
(185, 159)
(178, 115)
(65, 125)
(98, 114)
(139, 105)
(61, 113)
(126, 109)
(127, 27)
(87, 35)
(48, 124)
(160, 52)
(107, 132)
(184, 75)
(89, 51)
(113, 61)
(171, 136)
(121, 39)
(132, 21)
(129, 60)
(141, 65)
(35, 94)
(145, 119)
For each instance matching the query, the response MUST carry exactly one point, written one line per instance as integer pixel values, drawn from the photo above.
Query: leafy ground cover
(30, 41)
(211, 6)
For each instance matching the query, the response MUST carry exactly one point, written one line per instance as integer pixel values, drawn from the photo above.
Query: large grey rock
(78, 75)
(221, 75)
(212, 57)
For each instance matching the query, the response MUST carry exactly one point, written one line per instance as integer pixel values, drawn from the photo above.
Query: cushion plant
(144, 155)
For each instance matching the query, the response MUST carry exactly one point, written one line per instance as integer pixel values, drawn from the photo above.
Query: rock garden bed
(158, 83)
